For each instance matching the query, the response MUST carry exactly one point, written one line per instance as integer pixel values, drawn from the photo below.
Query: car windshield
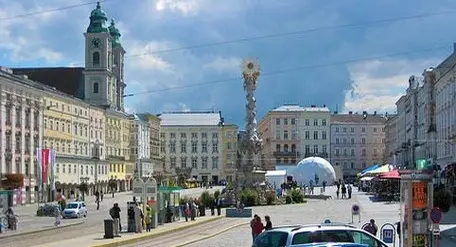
(72, 205)
(271, 239)
(327, 236)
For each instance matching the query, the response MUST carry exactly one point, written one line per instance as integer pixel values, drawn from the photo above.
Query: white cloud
(220, 64)
(184, 107)
(186, 7)
(22, 38)
(148, 61)
(377, 85)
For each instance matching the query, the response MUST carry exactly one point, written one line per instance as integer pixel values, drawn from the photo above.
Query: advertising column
(416, 202)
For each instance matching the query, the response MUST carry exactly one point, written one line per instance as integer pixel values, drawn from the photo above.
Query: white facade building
(314, 130)
(140, 147)
(193, 140)
(21, 131)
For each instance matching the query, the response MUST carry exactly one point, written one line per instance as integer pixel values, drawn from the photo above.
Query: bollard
(108, 227)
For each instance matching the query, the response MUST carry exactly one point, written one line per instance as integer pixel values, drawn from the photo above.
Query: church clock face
(96, 42)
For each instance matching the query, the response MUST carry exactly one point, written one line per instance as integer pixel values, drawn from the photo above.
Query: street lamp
(83, 186)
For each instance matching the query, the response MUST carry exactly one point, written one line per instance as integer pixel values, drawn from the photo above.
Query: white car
(75, 210)
(316, 235)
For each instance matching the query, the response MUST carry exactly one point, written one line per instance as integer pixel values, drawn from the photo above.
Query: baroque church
(101, 81)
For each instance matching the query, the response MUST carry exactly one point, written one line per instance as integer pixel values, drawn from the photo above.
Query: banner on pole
(45, 157)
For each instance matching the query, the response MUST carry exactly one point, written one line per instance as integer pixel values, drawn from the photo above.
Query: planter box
(238, 213)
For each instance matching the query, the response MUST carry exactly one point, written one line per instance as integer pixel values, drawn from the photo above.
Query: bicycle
(4, 223)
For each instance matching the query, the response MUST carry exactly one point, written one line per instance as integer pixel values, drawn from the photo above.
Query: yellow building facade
(229, 153)
(66, 123)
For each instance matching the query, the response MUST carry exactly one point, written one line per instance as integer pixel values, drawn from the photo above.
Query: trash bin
(109, 228)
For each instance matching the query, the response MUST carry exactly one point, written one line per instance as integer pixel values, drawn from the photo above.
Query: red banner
(45, 164)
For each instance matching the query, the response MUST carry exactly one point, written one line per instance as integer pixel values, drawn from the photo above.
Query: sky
(348, 55)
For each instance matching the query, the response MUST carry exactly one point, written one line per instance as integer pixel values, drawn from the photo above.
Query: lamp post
(84, 181)
(96, 158)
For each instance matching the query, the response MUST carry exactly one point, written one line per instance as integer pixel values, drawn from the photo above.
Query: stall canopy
(362, 173)
(379, 170)
(394, 174)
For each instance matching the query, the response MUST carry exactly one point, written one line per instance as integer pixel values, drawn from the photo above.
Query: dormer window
(95, 87)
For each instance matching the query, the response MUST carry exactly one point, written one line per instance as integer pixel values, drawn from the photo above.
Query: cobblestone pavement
(314, 211)
(92, 224)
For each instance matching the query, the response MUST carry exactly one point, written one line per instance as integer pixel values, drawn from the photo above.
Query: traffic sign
(387, 236)
(355, 209)
(151, 188)
(436, 215)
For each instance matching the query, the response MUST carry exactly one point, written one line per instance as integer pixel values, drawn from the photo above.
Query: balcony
(286, 154)
(321, 155)
(115, 157)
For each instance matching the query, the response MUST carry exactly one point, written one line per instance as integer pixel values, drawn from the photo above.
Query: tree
(84, 188)
(13, 181)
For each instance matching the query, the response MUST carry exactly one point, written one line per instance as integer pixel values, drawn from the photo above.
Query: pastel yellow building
(229, 151)
(121, 169)
(67, 121)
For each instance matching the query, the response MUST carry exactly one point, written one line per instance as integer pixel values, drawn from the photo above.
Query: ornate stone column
(22, 145)
(32, 139)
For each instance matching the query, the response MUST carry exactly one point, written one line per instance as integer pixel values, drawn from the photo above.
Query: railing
(287, 154)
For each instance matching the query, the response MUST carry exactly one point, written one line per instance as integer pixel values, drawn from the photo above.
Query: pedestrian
(139, 216)
(218, 204)
(349, 190)
(115, 214)
(97, 200)
(101, 195)
(193, 209)
(268, 225)
(56, 216)
(186, 211)
(371, 227)
(257, 227)
(148, 219)
(344, 191)
(212, 206)
(131, 219)
(11, 217)
(337, 193)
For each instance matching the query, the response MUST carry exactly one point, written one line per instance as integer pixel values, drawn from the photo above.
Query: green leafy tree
(83, 188)
(249, 197)
(297, 196)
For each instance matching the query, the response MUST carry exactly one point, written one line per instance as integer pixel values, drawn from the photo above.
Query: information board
(419, 195)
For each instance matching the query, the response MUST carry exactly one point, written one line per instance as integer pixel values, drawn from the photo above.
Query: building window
(183, 162)
(375, 130)
(277, 121)
(316, 149)
(214, 147)
(337, 140)
(352, 141)
(294, 134)
(194, 147)
(352, 152)
(95, 87)
(195, 162)
(307, 122)
(278, 134)
(315, 122)
(324, 149)
(307, 149)
(285, 121)
(96, 58)
(307, 135)
(285, 134)
(323, 135)
(363, 140)
(204, 163)
(344, 130)
(337, 129)
(323, 122)
(172, 148)
(214, 162)
(293, 121)
(363, 152)
(364, 164)
(278, 147)
(352, 129)
(183, 147)
(337, 152)
(363, 129)
(352, 165)
(285, 148)
(173, 162)
(204, 147)
(315, 135)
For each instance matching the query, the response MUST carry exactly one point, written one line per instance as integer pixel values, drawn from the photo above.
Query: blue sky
(56, 39)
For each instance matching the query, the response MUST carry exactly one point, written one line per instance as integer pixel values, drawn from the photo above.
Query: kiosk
(416, 203)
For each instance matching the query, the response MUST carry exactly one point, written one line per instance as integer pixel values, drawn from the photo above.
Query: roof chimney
(350, 112)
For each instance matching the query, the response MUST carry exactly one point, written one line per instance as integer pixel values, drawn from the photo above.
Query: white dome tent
(312, 169)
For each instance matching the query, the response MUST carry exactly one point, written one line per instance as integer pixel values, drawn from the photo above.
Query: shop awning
(379, 170)
(394, 174)
(362, 173)
(366, 178)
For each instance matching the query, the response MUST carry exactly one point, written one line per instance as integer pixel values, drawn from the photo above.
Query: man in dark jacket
(115, 214)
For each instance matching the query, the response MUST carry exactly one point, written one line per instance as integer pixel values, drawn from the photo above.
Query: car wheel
(85, 215)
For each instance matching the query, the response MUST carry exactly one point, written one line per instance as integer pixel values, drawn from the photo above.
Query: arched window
(285, 148)
(95, 87)
(278, 147)
(293, 148)
(96, 58)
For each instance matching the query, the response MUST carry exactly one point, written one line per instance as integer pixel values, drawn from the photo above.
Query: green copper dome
(98, 21)
(114, 31)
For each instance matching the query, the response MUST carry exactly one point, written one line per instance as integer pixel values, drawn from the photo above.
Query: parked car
(75, 210)
(317, 235)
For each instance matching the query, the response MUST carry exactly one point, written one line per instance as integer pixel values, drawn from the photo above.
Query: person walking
(257, 227)
(218, 204)
(344, 191)
(56, 216)
(268, 225)
(349, 190)
(11, 217)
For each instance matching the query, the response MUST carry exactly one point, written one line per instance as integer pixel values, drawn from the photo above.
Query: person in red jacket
(257, 227)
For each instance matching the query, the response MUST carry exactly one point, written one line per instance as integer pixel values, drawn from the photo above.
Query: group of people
(194, 208)
(257, 225)
(343, 190)
(141, 220)
(11, 219)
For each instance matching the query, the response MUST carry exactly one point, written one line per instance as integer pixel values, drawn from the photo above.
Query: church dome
(312, 169)
(98, 20)
(114, 31)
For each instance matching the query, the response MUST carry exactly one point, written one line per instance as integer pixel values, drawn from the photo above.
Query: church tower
(100, 83)
(118, 65)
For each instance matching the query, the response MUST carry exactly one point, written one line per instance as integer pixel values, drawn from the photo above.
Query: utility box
(109, 228)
